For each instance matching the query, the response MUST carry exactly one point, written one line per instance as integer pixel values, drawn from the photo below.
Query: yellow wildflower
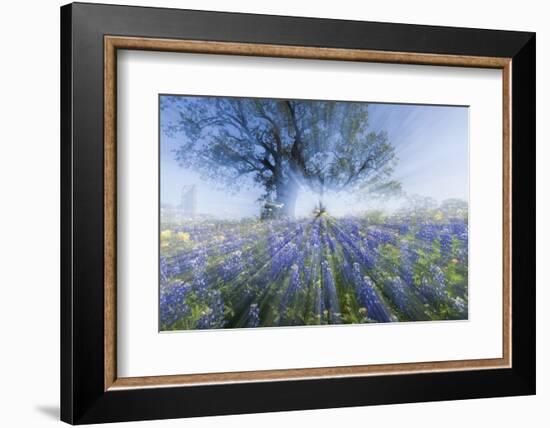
(183, 236)
(165, 235)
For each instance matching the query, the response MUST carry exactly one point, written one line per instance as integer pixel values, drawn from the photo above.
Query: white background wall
(29, 214)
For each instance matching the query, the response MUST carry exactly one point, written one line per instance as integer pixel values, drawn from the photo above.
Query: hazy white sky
(431, 143)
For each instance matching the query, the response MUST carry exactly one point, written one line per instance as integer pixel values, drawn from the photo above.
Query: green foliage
(375, 217)
(426, 259)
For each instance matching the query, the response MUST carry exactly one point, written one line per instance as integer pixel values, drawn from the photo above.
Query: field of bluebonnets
(229, 262)
(373, 268)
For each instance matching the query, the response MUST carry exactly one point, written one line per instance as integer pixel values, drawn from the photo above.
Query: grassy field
(311, 271)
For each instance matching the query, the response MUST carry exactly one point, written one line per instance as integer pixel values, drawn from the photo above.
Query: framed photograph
(266, 213)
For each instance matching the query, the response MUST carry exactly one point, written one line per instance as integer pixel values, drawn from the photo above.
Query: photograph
(289, 212)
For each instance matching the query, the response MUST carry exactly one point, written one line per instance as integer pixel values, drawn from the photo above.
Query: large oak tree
(283, 145)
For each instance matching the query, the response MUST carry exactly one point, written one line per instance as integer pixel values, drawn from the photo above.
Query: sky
(431, 146)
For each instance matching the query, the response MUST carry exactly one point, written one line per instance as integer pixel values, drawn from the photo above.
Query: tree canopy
(282, 145)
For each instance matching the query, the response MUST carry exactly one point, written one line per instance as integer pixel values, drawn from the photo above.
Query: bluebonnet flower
(329, 288)
(172, 302)
(408, 259)
(460, 304)
(294, 285)
(253, 316)
(446, 244)
(198, 266)
(213, 316)
(377, 237)
(428, 232)
(460, 229)
(396, 289)
(164, 272)
(368, 297)
(232, 266)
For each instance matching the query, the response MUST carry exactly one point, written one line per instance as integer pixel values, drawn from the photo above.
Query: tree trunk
(287, 194)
